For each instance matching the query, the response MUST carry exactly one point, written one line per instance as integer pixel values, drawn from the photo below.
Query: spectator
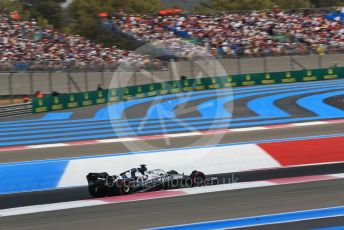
(251, 34)
(26, 99)
(99, 87)
(39, 94)
(55, 94)
(27, 44)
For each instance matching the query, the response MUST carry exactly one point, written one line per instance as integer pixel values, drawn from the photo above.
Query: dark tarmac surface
(303, 225)
(186, 209)
(80, 193)
(178, 142)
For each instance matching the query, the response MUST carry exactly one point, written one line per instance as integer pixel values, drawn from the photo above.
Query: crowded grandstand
(249, 34)
(231, 35)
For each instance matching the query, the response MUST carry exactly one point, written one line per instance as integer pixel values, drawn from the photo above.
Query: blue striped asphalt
(98, 124)
(216, 109)
(212, 122)
(73, 123)
(76, 123)
(316, 104)
(45, 174)
(262, 220)
(111, 134)
(166, 109)
(30, 177)
(91, 121)
(265, 106)
(117, 109)
(46, 134)
(267, 110)
(330, 228)
(57, 116)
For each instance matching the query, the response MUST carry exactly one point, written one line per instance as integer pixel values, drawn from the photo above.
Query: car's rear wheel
(96, 191)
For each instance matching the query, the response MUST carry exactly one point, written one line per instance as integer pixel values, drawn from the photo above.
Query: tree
(292, 4)
(327, 3)
(50, 10)
(10, 5)
(83, 15)
(47, 12)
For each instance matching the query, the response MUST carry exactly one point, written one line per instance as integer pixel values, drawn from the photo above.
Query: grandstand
(27, 46)
(303, 36)
(248, 34)
(231, 35)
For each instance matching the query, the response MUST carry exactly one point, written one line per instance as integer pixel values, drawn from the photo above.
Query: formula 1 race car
(138, 180)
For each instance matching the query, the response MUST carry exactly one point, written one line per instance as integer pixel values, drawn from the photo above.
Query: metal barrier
(14, 110)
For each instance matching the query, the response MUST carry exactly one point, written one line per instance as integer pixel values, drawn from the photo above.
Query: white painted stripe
(310, 123)
(275, 126)
(212, 160)
(248, 129)
(49, 207)
(94, 202)
(48, 146)
(116, 140)
(183, 134)
(227, 187)
(339, 176)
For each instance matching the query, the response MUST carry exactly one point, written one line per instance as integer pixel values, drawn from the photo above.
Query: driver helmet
(143, 168)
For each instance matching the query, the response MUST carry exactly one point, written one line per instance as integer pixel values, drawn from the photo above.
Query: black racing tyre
(125, 188)
(97, 191)
(197, 179)
(188, 182)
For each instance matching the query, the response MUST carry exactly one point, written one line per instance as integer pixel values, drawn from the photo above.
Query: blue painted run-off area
(46, 174)
(263, 220)
(23, 177)
(330, 228)
(57, 116)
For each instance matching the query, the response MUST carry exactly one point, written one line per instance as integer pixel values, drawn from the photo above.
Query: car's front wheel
(125, 188)
(197, 178)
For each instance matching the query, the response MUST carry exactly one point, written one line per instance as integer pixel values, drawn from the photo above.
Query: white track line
(175, 135)
(179, 192)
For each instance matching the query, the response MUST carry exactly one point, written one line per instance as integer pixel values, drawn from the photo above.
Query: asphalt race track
(178, 142)
(81, 193)
(213, 206)
(188, 209)
(184, 112)
(291, 103)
